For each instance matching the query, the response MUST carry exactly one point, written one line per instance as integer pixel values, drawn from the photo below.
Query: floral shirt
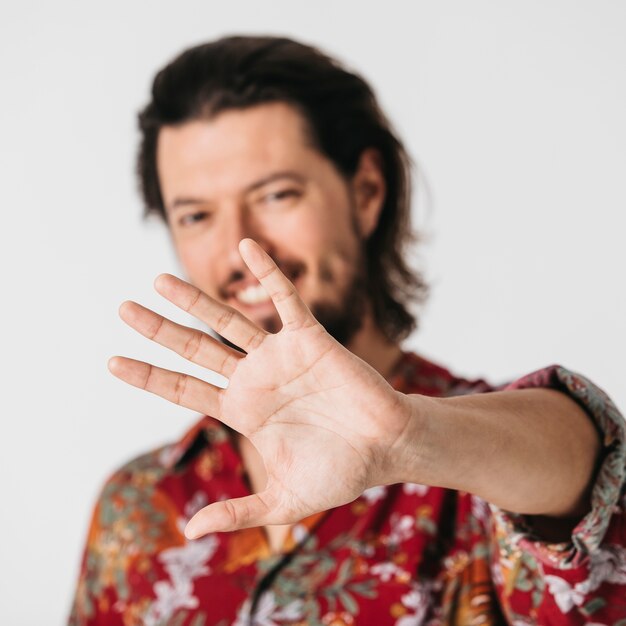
(400, 555)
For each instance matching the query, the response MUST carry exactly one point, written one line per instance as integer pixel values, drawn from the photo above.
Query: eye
(193, 218)
(281, 196)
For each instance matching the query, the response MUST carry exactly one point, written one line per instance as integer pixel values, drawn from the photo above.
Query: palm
(310, 407)
(297, 412)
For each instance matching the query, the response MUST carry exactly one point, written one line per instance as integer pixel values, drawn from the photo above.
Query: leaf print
(348, 602)
(474, 562)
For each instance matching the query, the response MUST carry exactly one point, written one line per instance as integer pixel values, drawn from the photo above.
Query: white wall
(515, 111)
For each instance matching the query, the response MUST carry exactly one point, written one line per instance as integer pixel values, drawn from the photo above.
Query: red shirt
(400, 555)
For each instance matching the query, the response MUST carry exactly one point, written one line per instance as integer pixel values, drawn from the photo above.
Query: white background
(515, 112)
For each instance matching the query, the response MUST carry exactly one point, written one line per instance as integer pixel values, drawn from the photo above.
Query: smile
(253, 294)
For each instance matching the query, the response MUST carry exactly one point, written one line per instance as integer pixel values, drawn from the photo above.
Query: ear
(369, 190)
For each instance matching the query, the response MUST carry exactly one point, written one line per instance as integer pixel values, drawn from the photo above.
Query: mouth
(252, 295)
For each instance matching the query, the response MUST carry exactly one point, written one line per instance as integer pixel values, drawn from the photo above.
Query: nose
(239, 224)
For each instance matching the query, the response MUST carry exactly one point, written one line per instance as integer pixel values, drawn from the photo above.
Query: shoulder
(149, 469)
(131, 500)
(141, 472)
(153, 490)
(134, 518)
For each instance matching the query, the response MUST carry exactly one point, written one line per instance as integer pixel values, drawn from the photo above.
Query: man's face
(253, 173)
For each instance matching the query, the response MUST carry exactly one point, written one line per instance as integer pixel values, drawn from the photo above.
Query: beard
(342, 321)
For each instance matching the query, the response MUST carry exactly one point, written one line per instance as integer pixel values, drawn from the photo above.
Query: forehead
(234, 148)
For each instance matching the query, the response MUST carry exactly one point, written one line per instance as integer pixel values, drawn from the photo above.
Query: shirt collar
(207, 428)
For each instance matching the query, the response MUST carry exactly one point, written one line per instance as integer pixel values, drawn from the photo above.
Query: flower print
(387, 570)
(198, 501)
(299, 532)
(416, 601)
(337, 619)
(267, 612)
(607, 565)
(169, 598)
(144, 507)
(564, 594)
(402, 528)
(184, 563)
(373, 494)
(480, 509)
(496, 570)
(415, 488)
(291, 611)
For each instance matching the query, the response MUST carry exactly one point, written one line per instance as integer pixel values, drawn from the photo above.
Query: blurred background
(513, 113)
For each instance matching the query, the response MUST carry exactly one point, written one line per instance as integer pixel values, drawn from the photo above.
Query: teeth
(253, 295)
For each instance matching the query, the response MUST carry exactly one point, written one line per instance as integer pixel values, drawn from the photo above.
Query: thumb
(227, 515)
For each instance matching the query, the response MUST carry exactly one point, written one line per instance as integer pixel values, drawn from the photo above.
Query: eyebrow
(191, 201)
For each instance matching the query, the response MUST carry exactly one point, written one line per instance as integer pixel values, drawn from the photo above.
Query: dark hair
(344, 119)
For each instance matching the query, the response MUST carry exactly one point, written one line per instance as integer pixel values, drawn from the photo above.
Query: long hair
(344, 119)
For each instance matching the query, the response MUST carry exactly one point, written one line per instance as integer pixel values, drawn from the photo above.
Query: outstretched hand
(325, 423)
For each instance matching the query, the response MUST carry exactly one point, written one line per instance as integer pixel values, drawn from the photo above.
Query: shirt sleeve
(94, 599)
(132, 521)
(582, 580)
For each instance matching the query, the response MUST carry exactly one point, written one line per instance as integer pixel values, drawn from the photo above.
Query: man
(331, 481)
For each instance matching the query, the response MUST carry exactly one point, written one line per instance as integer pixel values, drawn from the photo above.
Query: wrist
(406, 456)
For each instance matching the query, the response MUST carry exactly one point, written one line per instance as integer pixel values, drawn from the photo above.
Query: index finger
(225, 320)
(292, 310)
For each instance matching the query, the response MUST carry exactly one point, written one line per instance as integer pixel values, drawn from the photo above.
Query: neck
(370, 344)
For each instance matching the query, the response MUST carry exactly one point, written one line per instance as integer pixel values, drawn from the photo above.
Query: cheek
(302, 233)
(199, 265)
(314, 232)
(329, 248)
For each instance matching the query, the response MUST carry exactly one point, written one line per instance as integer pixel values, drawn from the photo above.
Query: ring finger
(193, 345)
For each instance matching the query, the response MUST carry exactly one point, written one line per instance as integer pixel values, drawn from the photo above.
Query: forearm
(529, 451)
